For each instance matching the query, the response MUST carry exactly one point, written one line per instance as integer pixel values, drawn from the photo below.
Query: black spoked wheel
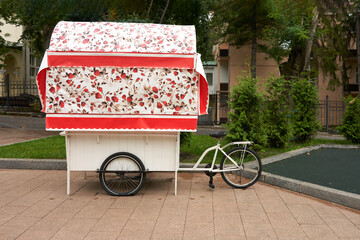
(245, 172)
(122, 174)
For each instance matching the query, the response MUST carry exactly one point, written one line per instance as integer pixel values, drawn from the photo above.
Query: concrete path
(15, 129)
(13, 135)
(33, 205)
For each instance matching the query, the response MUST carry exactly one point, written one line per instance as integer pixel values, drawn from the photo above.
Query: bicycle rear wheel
(122, 174)
(246, 172)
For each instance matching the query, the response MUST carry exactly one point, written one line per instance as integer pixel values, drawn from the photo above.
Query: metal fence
(17, 95)
(220, 106)
(331, 113)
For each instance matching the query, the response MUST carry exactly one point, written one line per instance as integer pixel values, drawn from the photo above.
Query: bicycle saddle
(218, 134)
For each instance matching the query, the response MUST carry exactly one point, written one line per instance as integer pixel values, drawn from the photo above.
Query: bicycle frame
(217, 147)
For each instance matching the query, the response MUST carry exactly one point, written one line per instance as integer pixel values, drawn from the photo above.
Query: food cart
(121, 93)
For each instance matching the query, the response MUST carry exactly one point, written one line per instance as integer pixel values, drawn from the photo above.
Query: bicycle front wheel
(242, 167)
(122, 174)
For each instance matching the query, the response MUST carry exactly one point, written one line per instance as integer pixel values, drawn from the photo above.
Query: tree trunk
(358, 40)
(164, 11)
(149, 9)
(253, 56)
(310, 41)
(290, 69)
(253, 44)
(47, 31)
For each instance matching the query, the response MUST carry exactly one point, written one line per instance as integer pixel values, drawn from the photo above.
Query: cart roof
(121, 76)
(123, 37)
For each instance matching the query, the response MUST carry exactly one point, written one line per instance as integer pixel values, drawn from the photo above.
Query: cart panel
(88, 151)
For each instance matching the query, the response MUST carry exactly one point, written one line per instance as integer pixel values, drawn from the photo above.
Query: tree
(241, 22)
(39, 17)
(350, 126)
(309, 35)
(305, 103)
(4, 46)
(246, 119)
(277, 112)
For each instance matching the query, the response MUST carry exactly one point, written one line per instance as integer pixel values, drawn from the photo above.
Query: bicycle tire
(117, 181)
(241, 178)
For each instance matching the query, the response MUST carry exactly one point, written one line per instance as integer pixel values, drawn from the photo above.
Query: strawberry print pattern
(123, 37)
(106, 90)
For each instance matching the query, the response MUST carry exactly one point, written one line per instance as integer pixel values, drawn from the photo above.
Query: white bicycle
(240, 167)
(123, 173)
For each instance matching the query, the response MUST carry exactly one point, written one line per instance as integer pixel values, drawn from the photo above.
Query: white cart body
(122, 87)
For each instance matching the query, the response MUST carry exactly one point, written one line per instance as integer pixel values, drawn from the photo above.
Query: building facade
(231, 61)
(18, 72)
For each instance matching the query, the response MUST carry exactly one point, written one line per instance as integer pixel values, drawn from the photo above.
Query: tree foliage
(246, 122)
(277, 111)
(241, 22)
(350, 126)
(4, 45)
(300, 35)
(311, 35)
(39, 17)
(305, 104)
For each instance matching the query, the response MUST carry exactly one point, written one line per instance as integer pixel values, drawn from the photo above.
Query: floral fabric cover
(123, 37)
(108, 90)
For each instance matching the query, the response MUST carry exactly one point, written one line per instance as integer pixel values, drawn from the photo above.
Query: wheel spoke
(240, 177)
(122, 182)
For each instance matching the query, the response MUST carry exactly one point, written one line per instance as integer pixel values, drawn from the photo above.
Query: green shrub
(185, 138)
(305, 102)
(246, 120)
(277, 111)
(350, 126)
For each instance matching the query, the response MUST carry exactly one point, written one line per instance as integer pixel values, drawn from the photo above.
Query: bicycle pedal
(211, 185)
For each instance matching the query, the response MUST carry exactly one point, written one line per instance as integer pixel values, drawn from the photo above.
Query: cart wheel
(122, 174)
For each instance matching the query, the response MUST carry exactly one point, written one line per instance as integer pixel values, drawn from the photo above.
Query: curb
(351, 200)
(347, 199)
(39, 164)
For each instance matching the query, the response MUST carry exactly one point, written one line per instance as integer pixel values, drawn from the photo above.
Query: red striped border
(113, 123)
(140, 60)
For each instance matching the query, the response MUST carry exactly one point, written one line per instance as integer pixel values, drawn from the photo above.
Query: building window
(209, 78)
(34, 65)
(224, 52)
(224, 87)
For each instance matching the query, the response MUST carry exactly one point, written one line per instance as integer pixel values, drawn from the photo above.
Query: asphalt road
(21, 122)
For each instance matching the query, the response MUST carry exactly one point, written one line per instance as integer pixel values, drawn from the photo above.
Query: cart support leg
(177, 159)
(67, 139)
(68, 181)
(176, 182)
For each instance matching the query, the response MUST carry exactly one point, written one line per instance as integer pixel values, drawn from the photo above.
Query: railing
(17, 96)
(330, 113)
(221, 107)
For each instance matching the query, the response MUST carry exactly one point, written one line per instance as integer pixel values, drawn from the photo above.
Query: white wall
(224, 71)
(213, 86)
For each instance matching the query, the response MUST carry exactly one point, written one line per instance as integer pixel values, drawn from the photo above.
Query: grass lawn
(45, 148)
(54, 148)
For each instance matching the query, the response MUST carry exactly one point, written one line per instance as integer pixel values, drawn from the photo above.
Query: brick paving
(34, 205)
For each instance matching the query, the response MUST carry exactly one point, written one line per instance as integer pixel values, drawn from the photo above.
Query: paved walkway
(15, 129)
(13, 135)
(33, 205)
